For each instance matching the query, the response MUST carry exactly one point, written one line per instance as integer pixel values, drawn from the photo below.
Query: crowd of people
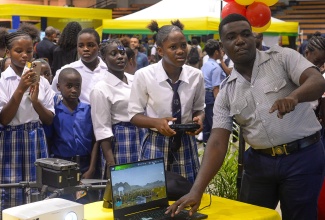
(82, 109)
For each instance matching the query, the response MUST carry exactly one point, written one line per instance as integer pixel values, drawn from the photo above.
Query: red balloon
(228, 0)
(233, 8)
(258, 14)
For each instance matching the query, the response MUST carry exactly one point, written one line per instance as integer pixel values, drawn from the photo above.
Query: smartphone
(36, 67)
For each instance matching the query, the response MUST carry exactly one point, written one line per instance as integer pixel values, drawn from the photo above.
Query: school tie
(176, 113)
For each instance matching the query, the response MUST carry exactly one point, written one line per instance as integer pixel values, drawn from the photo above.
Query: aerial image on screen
(137, 184)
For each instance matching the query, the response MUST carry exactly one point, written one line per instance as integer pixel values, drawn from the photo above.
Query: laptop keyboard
(159, 214)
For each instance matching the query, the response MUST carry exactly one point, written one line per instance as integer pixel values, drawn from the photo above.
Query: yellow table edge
(220, 208)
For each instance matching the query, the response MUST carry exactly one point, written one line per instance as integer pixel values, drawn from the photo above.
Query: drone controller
(191, 127)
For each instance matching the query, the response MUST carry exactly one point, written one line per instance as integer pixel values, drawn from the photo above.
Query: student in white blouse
(90, 65)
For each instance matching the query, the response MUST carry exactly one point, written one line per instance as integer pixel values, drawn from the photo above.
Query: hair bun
(178, 24)
(153, 26)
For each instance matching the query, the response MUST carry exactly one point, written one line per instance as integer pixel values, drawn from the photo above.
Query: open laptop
(139, 192)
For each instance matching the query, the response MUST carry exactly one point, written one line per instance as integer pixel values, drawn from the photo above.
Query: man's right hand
(192, 199)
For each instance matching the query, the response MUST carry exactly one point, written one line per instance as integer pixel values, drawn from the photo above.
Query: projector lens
(71, 216)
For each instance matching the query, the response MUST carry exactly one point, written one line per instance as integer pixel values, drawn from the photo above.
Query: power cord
(210, 202)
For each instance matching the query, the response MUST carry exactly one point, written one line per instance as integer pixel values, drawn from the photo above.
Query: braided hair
(164, 31)
(10, 38)
(316, 42)
(3, 33)
(69, 36)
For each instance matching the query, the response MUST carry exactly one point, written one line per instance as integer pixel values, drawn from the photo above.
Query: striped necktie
(176, 113)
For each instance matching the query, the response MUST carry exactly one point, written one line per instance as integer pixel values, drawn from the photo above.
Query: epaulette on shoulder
(224, 82)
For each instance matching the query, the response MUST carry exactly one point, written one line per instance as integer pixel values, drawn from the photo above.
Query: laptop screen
(138, 186)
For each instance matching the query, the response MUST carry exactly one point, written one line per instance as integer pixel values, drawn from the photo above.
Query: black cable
(210, 202)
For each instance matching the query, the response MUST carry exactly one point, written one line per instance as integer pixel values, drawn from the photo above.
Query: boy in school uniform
(72, 130)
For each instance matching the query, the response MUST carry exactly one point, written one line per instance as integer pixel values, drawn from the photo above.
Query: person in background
(268, 93)
(315, 50)
(142, 59)
(193, 57)
(302, 47)
(195, 43)
(3, 33)
(125, 40)
(131, 64)
(315, 53)
(25, 106)
(57, 37)
(66, 52)
(259, 41)
(213, 76)
(152, 100)
(4, 64)
(46, 70)
(90, 66)
(225, 62)
(45, 48)
(72, 130)
(154, 58)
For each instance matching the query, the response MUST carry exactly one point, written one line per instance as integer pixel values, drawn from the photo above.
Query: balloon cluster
(257, 12)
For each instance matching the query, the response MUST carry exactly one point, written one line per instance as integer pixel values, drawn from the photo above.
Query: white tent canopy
(174, 9)
(198, 16)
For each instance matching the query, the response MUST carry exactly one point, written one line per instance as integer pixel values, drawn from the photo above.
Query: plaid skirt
(185, 161)
(126, 142)
(20, 145)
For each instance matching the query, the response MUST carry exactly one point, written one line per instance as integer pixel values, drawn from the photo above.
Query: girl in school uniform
(25, 105)
(120, 140)
(90, 66)
(152, 94)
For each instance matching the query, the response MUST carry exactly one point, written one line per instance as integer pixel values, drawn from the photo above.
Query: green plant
(224, 184)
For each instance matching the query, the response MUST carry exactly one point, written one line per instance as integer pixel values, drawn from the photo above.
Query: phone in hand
(36, 67)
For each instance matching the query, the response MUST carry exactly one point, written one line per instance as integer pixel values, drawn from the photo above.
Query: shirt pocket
(275, 90)
(275, 86)
(241, 111)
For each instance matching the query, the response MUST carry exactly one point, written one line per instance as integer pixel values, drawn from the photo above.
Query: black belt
(292, 146)
(209, 90)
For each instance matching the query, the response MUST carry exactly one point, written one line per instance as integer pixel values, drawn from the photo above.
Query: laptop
(139, 192)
